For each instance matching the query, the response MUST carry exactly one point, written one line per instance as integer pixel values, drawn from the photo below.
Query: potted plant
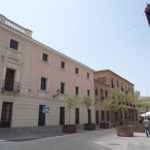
(71, 102)
(88, 102)
(119, 102)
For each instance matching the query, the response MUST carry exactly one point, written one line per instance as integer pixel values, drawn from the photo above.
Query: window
(88, 92)
(76, 90)
(106, 94)
(122, 89)
(77, 70)
(62, 87)
(112, 83)
(97, 117)
(108, 116)
(102, 115)
(45, 57)
(13, 44)
(88, 75)
(102, 80)
(116, 116)
(117, 83)
(62, 64)
(96, 92)
(126, 91)
(102, 94)
(43, 83)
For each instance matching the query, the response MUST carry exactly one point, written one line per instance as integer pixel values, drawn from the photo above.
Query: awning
(145, 114)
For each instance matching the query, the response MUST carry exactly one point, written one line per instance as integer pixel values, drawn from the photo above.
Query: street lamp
(147, 13)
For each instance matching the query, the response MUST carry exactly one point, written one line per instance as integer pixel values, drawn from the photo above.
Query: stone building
(104, 82)
(34, 79)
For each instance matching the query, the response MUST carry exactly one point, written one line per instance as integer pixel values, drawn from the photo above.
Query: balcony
(9, 88)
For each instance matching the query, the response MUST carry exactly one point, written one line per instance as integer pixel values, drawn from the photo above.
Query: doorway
(41, 116)
(6, 115)
(97, 117)
(89, 116)
(62, 116)
(77, 116)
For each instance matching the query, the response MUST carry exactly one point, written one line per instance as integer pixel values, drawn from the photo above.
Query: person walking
(149, 125)
(146, 123)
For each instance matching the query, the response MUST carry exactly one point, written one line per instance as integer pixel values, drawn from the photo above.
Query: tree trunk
(123, 117)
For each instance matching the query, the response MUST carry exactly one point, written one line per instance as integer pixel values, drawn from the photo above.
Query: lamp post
(147, 13)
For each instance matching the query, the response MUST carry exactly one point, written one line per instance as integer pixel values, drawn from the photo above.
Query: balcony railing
(14, 88)
(15, 26)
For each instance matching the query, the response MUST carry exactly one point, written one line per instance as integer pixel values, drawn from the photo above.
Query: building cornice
(107, 70)
(43, 46)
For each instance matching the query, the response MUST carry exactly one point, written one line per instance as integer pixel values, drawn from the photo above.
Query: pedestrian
(146, 126)
(149, 125)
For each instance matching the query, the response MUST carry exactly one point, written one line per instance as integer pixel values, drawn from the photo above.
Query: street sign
(45, 109)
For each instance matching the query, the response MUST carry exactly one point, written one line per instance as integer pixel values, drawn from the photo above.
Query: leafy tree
(118, 102)
(88, 101)
(143, 104)
(71, 102)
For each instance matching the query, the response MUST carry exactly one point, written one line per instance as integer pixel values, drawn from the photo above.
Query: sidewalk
(24, 134)
(88, 140)
(105, 138)
(113, 142)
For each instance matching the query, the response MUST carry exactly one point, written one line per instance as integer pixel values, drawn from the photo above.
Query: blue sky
(103, 34)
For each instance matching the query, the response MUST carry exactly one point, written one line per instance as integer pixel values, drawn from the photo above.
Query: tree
(71, 102)
(118, 102)
(143, 103)
(88, 101)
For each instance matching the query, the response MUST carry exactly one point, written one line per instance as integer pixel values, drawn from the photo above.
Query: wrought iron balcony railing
(9, 87)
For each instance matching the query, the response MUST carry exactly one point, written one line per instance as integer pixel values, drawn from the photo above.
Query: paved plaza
(93, 140)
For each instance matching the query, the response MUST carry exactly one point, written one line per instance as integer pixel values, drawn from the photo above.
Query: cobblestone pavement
(94, 140)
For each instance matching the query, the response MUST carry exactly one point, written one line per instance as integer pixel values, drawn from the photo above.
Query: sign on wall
(45, 109)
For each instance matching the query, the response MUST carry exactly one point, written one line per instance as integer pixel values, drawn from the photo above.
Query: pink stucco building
(35, 77)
